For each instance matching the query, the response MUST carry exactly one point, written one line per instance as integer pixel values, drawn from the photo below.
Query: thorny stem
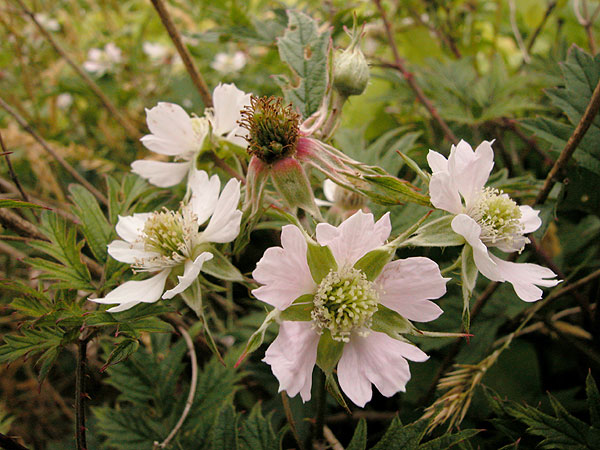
(410, 79)
(584, 124)
(7, 443)
(80, 395)
(11, 171)
(175, 36)
(290, 419)
(443, 36)
(190, 398)
(112, 109)
(23, 123)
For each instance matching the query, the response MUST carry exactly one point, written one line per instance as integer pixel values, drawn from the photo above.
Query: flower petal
(329, 188)
(228, 101)
(190, 273)
(292, 357)
(470, 230)
(284, 271)
(129, 253)
(134, 292)
(437, 161)
(354, 237)
(471, 169)
(525, 278)
(224, 224)
(161, 174)
(407, 285)
(172, 131)
(376, 359)
(205, 194)
(130, 227)
(444, 193)
(529, 219)
(237, 136)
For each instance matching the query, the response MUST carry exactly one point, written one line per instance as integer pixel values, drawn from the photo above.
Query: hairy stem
(290, 419)
(80, 395)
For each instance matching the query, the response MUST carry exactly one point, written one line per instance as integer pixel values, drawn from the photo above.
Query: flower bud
(350, 68)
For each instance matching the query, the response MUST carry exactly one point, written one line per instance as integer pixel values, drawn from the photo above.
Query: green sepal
(258, 336)
(468, 275)
(391, 323)
(291, 182)
(300, 310)
(437, 233)
(320, 260)
(220, 267)
(329, 352)
(373, 262)
(333, 388)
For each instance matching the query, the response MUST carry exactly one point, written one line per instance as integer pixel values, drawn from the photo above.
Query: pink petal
(471, 169)
(437, 162)
(292, 357)
(525, 278)
(407, 285)
(205, 194)
(354, 237)
(284, 271)
(444, 193)
(470, 230)
(376, 359)
(161, 174)
(190, 273)
(224, 224)
(530, 219)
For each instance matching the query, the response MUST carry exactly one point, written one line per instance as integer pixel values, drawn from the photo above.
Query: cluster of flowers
(341, 299)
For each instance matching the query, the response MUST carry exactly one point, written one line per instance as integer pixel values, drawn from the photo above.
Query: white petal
(407, 285)
(376, 359)
(470, 230)
(161, 174)
(530, 219)
(130, 227)
(236, 136)
(354, 237)
(224, 224)
(471, 169)
(292, 357)
(329, 188)
(437, 161)
(133, 292)
(228, 102)
(284, 271)
(129, 253)
(526, 277)
(190, 273)
(205, 194)
(444, 193)
(172, 131)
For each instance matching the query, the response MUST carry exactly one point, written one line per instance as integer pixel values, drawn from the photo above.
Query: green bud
(350, 67)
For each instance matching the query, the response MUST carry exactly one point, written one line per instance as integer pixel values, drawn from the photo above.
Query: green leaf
(257, 432)
(593, 400)
(96, 228)
(45, 362)
(320, 260)
(398, 437)
(31, 341)
(437, 233)
(448, 440)
(225, 429)
(389, 190)
(221, 267)
(121, 352)
(31, 302)
(9, 203)
(304, 48)
(359, 439)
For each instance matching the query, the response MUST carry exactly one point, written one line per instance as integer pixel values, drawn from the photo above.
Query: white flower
(64, 100)
(101, 61)
(47, 22)
(155, 51)
(175, 133)
(229, 63)
(164, 240)
(344, 303)
(486, 217)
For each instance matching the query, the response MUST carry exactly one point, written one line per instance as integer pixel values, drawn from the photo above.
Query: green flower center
(273, 128)
(345, 302)
(498, 215)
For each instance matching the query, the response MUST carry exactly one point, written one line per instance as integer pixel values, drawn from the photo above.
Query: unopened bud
(350, 68)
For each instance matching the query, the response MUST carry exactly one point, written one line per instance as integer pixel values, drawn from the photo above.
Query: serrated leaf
(10, 203)
(359, 439)
(593, 400)
(121, 352)
(448, 440)
(30, 341)
(257, 432)
(225, 430)
(96, 228)
(399, 437)
(304, 48)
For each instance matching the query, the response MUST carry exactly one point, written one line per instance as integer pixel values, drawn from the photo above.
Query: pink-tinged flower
(487, 217)
(344, 308)
(174, 133)
(166, 240)
(101, 61)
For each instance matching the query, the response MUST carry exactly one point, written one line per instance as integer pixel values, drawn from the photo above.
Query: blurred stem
(321, 407)
(334, 118)
(190, 398)
(586, 21)
(80, 395)
(11, 171)
(410, 79)
(10, 444)
(183, 52)
(455, 265)
(584, 124)
(131, 130)
(536, 33)
(290, 419)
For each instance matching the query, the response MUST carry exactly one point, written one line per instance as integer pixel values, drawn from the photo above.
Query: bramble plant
(250, 225)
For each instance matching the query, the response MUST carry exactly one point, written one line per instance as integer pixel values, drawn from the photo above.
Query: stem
(290, 418)
(584, 124)
(537, 31)
(456, 264)
(410, 79)
(80, 395)
(190, 398)
(321, 406)
(10, 444)
(23, 123)
(11, 171)
(114, 112)
(516, 32)
(183, 52)
(331, 439)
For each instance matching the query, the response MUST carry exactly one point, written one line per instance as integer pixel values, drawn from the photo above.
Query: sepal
(258, 336)
(300, 310)
(437, 233)
(391, 323)
(329, 352)
(291, 181)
